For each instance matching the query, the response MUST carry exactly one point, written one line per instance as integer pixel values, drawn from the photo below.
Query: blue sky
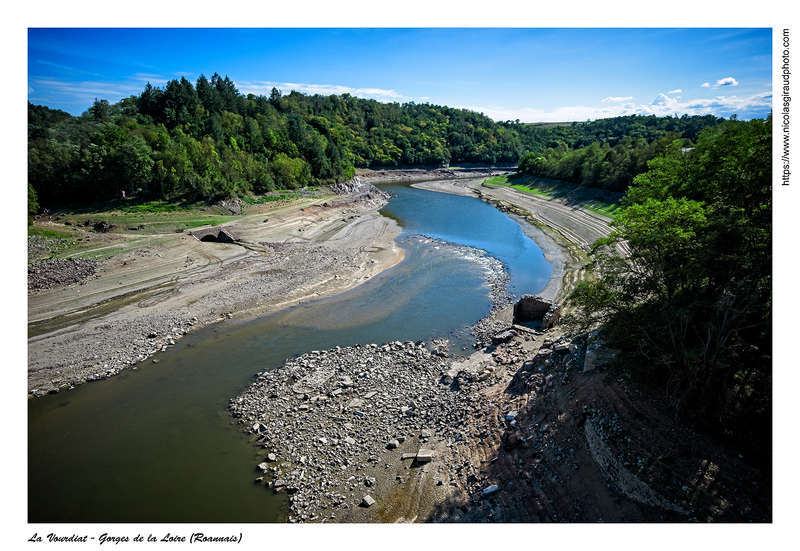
(531, 74)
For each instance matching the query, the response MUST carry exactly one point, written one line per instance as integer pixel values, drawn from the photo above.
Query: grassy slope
(555, 189)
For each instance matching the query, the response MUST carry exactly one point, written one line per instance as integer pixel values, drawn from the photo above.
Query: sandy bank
(152, 290)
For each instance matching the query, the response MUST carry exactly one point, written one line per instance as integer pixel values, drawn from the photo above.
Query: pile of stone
(59, 273)
(329, 421)
(40, 246)
(234, 206)
(358, 187)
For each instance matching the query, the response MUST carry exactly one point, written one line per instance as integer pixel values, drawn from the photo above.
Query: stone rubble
(59, 273)
(324, 435)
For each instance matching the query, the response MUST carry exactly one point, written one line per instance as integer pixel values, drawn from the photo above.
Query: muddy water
(157, 444)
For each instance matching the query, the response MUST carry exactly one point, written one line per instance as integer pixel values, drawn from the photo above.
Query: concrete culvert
(214, 235)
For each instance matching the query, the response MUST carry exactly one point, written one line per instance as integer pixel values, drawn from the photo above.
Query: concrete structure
(214, 235)
(533, 308)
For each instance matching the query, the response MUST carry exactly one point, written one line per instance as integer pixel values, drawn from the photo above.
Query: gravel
(59, 273)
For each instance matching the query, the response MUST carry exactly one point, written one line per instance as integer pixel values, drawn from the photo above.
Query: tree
(209, 96)
(691, 306)
(99, 110)
(33, 203)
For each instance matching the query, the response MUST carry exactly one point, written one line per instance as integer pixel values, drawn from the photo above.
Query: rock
(367, 501)
(541, 356)
(102, 227)
(271, 457)
(392, 444)
(59, 273)
(490, 490)
(511, 415)
(423, 456)
(505, 336)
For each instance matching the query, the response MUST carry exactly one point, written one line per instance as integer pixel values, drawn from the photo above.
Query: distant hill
(207, 141)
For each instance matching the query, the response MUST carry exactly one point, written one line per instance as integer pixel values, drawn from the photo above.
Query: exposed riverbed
(157, 444)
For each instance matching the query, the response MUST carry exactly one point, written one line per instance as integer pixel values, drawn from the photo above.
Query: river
(156, 444)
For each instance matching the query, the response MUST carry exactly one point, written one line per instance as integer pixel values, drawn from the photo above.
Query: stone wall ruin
(533, 308)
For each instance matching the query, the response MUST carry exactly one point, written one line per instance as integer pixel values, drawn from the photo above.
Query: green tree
(691, 305)
(33, 203)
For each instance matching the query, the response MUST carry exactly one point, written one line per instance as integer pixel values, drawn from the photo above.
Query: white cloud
(616, 99)
(705, 85)
(678, 91)
(80, 93)
(729, 81)
(756, 106)
(662, 100)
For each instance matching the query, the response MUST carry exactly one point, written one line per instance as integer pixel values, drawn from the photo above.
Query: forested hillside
(207, 141)
(691, 307)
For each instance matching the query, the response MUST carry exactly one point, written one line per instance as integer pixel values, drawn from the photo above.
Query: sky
(530, 74)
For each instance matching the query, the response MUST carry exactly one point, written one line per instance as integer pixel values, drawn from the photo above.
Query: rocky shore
(517, 432)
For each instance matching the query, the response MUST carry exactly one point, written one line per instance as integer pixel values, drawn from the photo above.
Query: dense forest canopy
(691, 307)
(207, 141)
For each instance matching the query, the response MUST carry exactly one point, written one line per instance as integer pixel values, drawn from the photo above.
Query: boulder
(504, 336)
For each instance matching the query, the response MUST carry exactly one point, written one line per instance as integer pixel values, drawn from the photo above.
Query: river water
(156, 444)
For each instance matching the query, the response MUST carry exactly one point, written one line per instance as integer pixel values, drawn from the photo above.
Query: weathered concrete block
(597, 353)
(598, 357)
(535, 308)
(423, 456)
